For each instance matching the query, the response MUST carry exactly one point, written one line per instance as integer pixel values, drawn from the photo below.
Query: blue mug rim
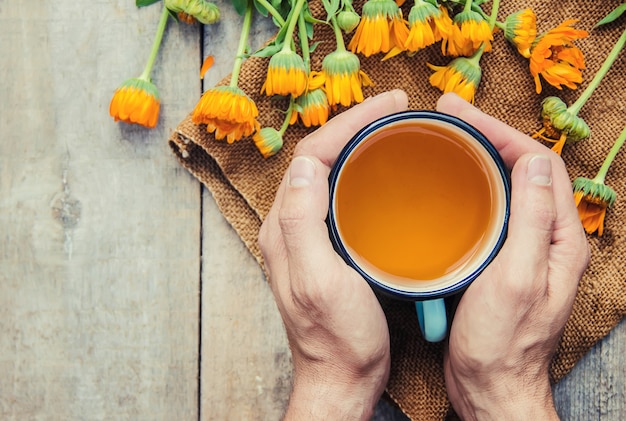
(361, 135)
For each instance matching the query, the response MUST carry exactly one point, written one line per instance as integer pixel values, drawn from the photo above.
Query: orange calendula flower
(556, 59)
(381, 29)
(136, 101)
(312, 108)
(520, 29)
(343, 78)
(228, 112)
(469, 32)
(592, 199)
(461, 76)
(427, 24)
(286, 75)
(268, 141)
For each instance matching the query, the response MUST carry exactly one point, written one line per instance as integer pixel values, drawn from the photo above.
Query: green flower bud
(348, 20)
(203, 11)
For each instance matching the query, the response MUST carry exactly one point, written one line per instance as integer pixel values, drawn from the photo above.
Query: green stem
(304, 42)
(295, 13)
(241, 48)
(468, 6)
(610, 157)
(272, 11)
(145, 75)
(576, 106)
(341, 46)
(283, 128)
(494, 14)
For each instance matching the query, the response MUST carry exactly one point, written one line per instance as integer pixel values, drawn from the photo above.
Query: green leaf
(240, 6)
(268, 51)
(619, 10)
(144, 3)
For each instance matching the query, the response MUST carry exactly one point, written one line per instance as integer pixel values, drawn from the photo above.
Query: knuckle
(290, 218)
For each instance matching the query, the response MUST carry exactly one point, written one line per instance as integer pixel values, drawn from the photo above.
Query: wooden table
(124, 293)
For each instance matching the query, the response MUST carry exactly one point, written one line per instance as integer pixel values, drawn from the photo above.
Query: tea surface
(413, 202)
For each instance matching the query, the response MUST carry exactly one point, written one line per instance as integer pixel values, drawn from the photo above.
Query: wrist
(324, 395)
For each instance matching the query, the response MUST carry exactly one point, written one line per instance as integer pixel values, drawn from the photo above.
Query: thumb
(533, 214)
(302, 216)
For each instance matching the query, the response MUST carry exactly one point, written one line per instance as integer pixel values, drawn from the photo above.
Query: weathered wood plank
(99, 258)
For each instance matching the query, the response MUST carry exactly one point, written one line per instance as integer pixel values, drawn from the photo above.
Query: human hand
(336, 329)
(509, 321)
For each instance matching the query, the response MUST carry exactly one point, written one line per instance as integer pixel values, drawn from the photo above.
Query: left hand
(336, 329)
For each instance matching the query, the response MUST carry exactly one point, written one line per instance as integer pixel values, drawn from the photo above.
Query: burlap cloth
(243, 183)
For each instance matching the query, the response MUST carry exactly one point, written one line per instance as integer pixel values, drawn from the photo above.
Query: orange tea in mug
(419, 204)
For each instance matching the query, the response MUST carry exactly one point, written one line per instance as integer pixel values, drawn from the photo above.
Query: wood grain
(124, 293)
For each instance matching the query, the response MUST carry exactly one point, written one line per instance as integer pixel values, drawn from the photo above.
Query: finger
(327, 141)
(532, 221)
(510, 143)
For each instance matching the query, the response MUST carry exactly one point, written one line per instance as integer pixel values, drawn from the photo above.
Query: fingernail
(301, 172)
(540, 170)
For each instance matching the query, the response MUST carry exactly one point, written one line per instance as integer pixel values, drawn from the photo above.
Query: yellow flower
(521, 30)
(592, 199)
(268, 141)
(343, 78)
(469, 32)
(136, 101)
(560, 125)
(381, 29)
(313, 108)
(286, 75)
(461, 76)
(228, 112)
(556, 58)
(427, 24)
(191, 11)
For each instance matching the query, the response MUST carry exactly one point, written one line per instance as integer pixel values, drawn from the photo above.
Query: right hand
(509, 321)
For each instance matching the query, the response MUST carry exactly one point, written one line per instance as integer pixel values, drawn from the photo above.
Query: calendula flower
(556, 59)
(560, 124)
(286, 74)
(190, 11)
(592, 196)
(136, 101)
(268, 141)
(343, 78)
(469, 32)
(520, 29)
(381, 28)
(312, 108)
(461, 76)
(427, 24)
(228, 112)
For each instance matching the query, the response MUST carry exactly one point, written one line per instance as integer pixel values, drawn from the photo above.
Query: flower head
(343, 78)
(286, 74)
(190, 11)
(469, 32)
(381, 29)
(312, 108)
(521, 30)
(427, 24)
(560, 125)
(136, 101)
(268, 141)
(592, 199)
(461, 76)
(556, 59)
(228, 112)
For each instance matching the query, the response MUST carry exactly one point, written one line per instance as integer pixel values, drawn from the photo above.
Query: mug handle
(432, 319)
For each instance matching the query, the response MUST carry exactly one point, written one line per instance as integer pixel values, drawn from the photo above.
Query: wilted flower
(381, 29)
(520, 28)
(560, 124)
(427, 24)
(268, 141)
(469, 32)
(556, 59)
(312, 108)
(343, 78)
(189, 11)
